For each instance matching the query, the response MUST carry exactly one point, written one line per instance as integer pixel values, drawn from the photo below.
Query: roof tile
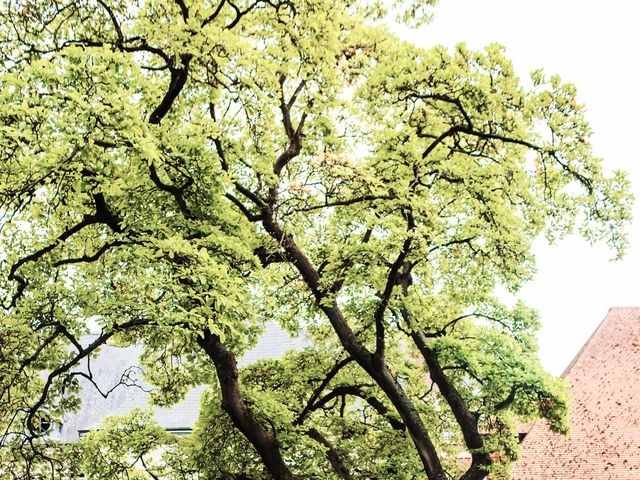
(604, 442)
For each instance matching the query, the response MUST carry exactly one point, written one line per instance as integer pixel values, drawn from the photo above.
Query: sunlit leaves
(145, 148)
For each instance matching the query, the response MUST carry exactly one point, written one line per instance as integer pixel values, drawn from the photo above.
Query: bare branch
(320, 388)
(215, 13)
(84, 352)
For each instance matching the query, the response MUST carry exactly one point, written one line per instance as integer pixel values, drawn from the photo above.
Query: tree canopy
(175, 174)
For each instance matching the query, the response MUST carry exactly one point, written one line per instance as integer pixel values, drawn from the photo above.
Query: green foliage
(124, 447)
(172, 172)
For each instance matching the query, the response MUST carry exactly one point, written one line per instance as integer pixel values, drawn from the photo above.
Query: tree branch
(332, 454)
(264, 441)
(177, 192)
(114, 21)
(184, 11)
(214, 15)
(293, 134)
(356, 391)
(90, 258)
(392, 280)
(178, 80)
(466, 419)
(467, 129)
(320, 388)
(378, 371)
(346, 202)
(84, 352)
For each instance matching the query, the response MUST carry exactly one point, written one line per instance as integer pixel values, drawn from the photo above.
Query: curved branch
(177, 192)
(320, 388)
(90, 258)
(215, 13)
(85, 222)
(252, 217)
(356, 391)
(114, 21)
(467, 129)
(264, 441)
(443, 98)
(178, 80)
(84, 352)
(103, 215)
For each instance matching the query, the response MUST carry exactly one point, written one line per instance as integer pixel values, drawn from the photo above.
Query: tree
(178, 172)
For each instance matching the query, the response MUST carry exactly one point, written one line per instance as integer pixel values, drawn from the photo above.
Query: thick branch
(264, 441)
(178, 80)
(378, 371)
(184, 11)
(467, 420)
(507, 401)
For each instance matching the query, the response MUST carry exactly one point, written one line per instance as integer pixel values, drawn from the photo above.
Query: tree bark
(467, 420)
(264, 441)
(374, 365)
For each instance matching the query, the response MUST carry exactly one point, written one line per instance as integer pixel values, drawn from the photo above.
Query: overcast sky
(595, 45)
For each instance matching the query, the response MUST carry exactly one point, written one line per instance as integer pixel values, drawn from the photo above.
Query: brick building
(604, 442)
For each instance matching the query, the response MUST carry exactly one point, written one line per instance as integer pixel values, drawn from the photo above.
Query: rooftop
(604, 442)
(118, 367)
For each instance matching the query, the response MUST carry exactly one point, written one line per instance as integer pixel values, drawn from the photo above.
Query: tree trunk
(373, 365)
(467, 420)
(265, 442)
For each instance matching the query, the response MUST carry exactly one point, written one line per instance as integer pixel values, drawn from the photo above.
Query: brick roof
(604, 442)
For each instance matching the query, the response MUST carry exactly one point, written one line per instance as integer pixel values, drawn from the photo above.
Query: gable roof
(113, 363)
(604, 442)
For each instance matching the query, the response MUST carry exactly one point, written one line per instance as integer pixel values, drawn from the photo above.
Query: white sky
(595, 45)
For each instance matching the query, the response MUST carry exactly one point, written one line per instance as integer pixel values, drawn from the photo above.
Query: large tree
(174, 174)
